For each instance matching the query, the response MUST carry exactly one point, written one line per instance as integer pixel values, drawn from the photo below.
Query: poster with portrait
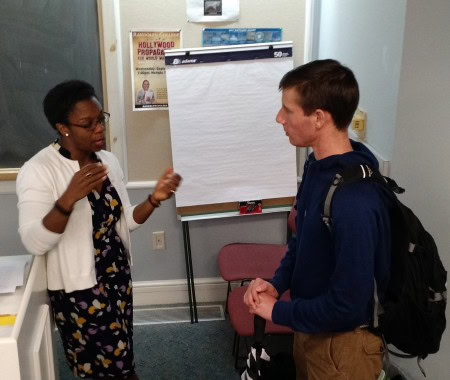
(148, 70)
(212, 10)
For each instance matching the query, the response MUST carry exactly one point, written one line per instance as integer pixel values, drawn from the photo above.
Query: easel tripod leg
(189, 273)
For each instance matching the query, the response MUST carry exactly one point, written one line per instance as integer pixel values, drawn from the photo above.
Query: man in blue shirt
(330, 275)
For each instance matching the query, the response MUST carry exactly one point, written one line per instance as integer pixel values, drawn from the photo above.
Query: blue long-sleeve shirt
(331, 275)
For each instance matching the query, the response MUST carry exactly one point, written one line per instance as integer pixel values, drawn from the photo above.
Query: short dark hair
(61, 99)
(325, 84)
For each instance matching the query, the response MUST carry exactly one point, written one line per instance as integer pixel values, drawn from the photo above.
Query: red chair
(241, 262)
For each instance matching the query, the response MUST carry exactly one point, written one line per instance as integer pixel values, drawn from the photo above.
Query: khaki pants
(353, 355)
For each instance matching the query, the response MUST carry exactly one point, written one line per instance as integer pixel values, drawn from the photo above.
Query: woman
(145, 95)
(73, 207)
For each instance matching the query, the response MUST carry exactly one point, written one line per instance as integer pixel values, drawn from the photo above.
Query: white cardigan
(70, 255)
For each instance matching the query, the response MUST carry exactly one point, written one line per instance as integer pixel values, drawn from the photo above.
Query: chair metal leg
(236, 358)
(228, 293)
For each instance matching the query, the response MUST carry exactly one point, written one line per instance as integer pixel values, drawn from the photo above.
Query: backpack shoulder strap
(352, 174)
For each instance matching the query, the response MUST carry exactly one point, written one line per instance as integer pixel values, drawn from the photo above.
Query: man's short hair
(327, 85)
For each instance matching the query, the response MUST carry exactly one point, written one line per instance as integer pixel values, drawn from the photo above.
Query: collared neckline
(66, 153)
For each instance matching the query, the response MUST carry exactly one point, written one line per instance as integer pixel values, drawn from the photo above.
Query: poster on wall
(148, 70)
(240, 36)
(212, 10)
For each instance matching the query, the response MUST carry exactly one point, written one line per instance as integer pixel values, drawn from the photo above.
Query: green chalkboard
(42, 43)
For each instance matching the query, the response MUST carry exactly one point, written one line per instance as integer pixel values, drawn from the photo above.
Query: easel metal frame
(185, 219)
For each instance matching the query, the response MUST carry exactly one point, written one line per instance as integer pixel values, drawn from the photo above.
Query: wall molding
(9, 174)
(9, 186)
(112, 72)
(309, 31)
(133, 185)
(176, 291)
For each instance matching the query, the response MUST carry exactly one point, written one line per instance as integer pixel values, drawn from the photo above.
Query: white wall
(422, 140)
(367, 36)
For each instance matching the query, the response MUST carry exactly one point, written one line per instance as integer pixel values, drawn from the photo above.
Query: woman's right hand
(82, 183)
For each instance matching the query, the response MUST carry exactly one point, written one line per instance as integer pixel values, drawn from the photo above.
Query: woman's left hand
(167, 185)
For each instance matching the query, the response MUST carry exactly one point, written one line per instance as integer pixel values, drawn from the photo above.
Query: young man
(330, 274)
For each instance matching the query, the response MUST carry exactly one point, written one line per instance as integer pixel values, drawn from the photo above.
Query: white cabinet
(26, 348)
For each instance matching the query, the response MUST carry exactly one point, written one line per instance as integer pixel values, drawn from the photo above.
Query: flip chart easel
(225, 141)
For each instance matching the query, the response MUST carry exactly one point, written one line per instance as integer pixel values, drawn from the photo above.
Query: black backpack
(412, 314)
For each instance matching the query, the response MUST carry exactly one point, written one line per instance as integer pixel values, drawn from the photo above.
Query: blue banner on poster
(240, 36)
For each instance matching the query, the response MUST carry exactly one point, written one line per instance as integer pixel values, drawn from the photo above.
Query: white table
(26, 348)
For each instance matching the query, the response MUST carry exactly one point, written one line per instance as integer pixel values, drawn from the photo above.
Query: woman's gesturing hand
(167, 185)
(84, 181)
(164, 189)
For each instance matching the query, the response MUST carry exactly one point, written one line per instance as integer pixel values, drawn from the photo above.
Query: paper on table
(10, 302)
(13, 270)
(7, 320)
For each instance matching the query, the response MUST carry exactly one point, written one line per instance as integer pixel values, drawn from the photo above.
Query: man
(330, 274)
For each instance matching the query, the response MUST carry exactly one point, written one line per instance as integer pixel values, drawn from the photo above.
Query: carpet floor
(178, 351)
(184, 351)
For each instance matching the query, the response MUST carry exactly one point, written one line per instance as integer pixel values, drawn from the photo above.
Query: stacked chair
(241, 263)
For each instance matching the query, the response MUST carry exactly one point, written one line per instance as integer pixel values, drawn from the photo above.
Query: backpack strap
(326, 215)
(349, 175)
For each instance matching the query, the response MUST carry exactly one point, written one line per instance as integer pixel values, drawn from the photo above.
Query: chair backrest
(292, 218)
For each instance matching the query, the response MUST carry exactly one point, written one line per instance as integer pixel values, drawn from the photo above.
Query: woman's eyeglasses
(103, 120)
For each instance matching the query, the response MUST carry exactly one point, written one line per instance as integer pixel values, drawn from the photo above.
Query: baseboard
(176, 291)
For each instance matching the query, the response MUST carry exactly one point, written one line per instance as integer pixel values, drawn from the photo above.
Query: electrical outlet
(159, 241)
(359, 124)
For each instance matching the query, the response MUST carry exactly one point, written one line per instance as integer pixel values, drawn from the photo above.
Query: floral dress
(96, 324)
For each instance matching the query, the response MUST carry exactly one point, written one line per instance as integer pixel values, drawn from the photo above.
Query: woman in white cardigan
(73, 207)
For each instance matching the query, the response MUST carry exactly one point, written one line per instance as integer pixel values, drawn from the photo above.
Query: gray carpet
(178, 351)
